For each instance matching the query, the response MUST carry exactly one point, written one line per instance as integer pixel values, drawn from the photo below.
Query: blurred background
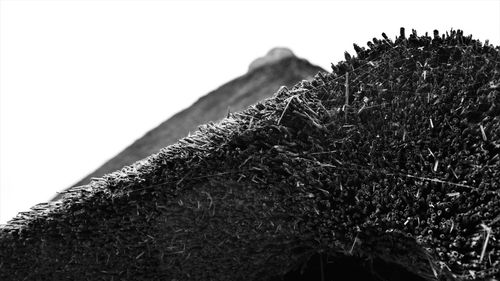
(82, 80)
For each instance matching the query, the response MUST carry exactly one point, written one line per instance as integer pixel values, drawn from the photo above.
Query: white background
(81, 80)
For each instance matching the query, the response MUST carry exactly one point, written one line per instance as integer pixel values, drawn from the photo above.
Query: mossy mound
(390, 162)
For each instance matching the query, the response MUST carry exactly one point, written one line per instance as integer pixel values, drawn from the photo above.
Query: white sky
(81, 80)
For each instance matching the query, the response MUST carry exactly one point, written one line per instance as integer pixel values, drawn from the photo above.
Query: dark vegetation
(387, 168)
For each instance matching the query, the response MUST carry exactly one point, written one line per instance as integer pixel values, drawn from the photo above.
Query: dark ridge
(259, 83)
(389, 166)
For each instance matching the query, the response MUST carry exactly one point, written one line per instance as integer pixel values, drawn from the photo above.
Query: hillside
(387, 168)
(279, 67)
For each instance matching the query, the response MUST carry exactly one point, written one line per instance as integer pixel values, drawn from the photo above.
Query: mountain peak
(274, 55)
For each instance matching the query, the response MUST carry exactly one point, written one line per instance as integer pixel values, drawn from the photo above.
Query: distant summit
(273, 56)
(280, 67)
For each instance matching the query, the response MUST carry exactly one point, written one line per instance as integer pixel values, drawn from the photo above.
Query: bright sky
(81, 80)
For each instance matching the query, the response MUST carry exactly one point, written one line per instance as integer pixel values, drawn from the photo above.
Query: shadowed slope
(388, 166)
(260, 82)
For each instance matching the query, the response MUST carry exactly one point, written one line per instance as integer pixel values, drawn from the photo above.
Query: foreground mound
(386, 169)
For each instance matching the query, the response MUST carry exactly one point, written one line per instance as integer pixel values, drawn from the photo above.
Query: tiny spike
(385, 36)
(347, 56)
(357, 49)
(334, 68)
(402, 33)
(436, 34)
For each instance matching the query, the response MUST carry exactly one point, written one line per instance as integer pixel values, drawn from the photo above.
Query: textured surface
(259, 83)
(391, 160)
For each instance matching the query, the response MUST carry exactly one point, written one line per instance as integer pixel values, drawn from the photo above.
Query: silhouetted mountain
(280, 67)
